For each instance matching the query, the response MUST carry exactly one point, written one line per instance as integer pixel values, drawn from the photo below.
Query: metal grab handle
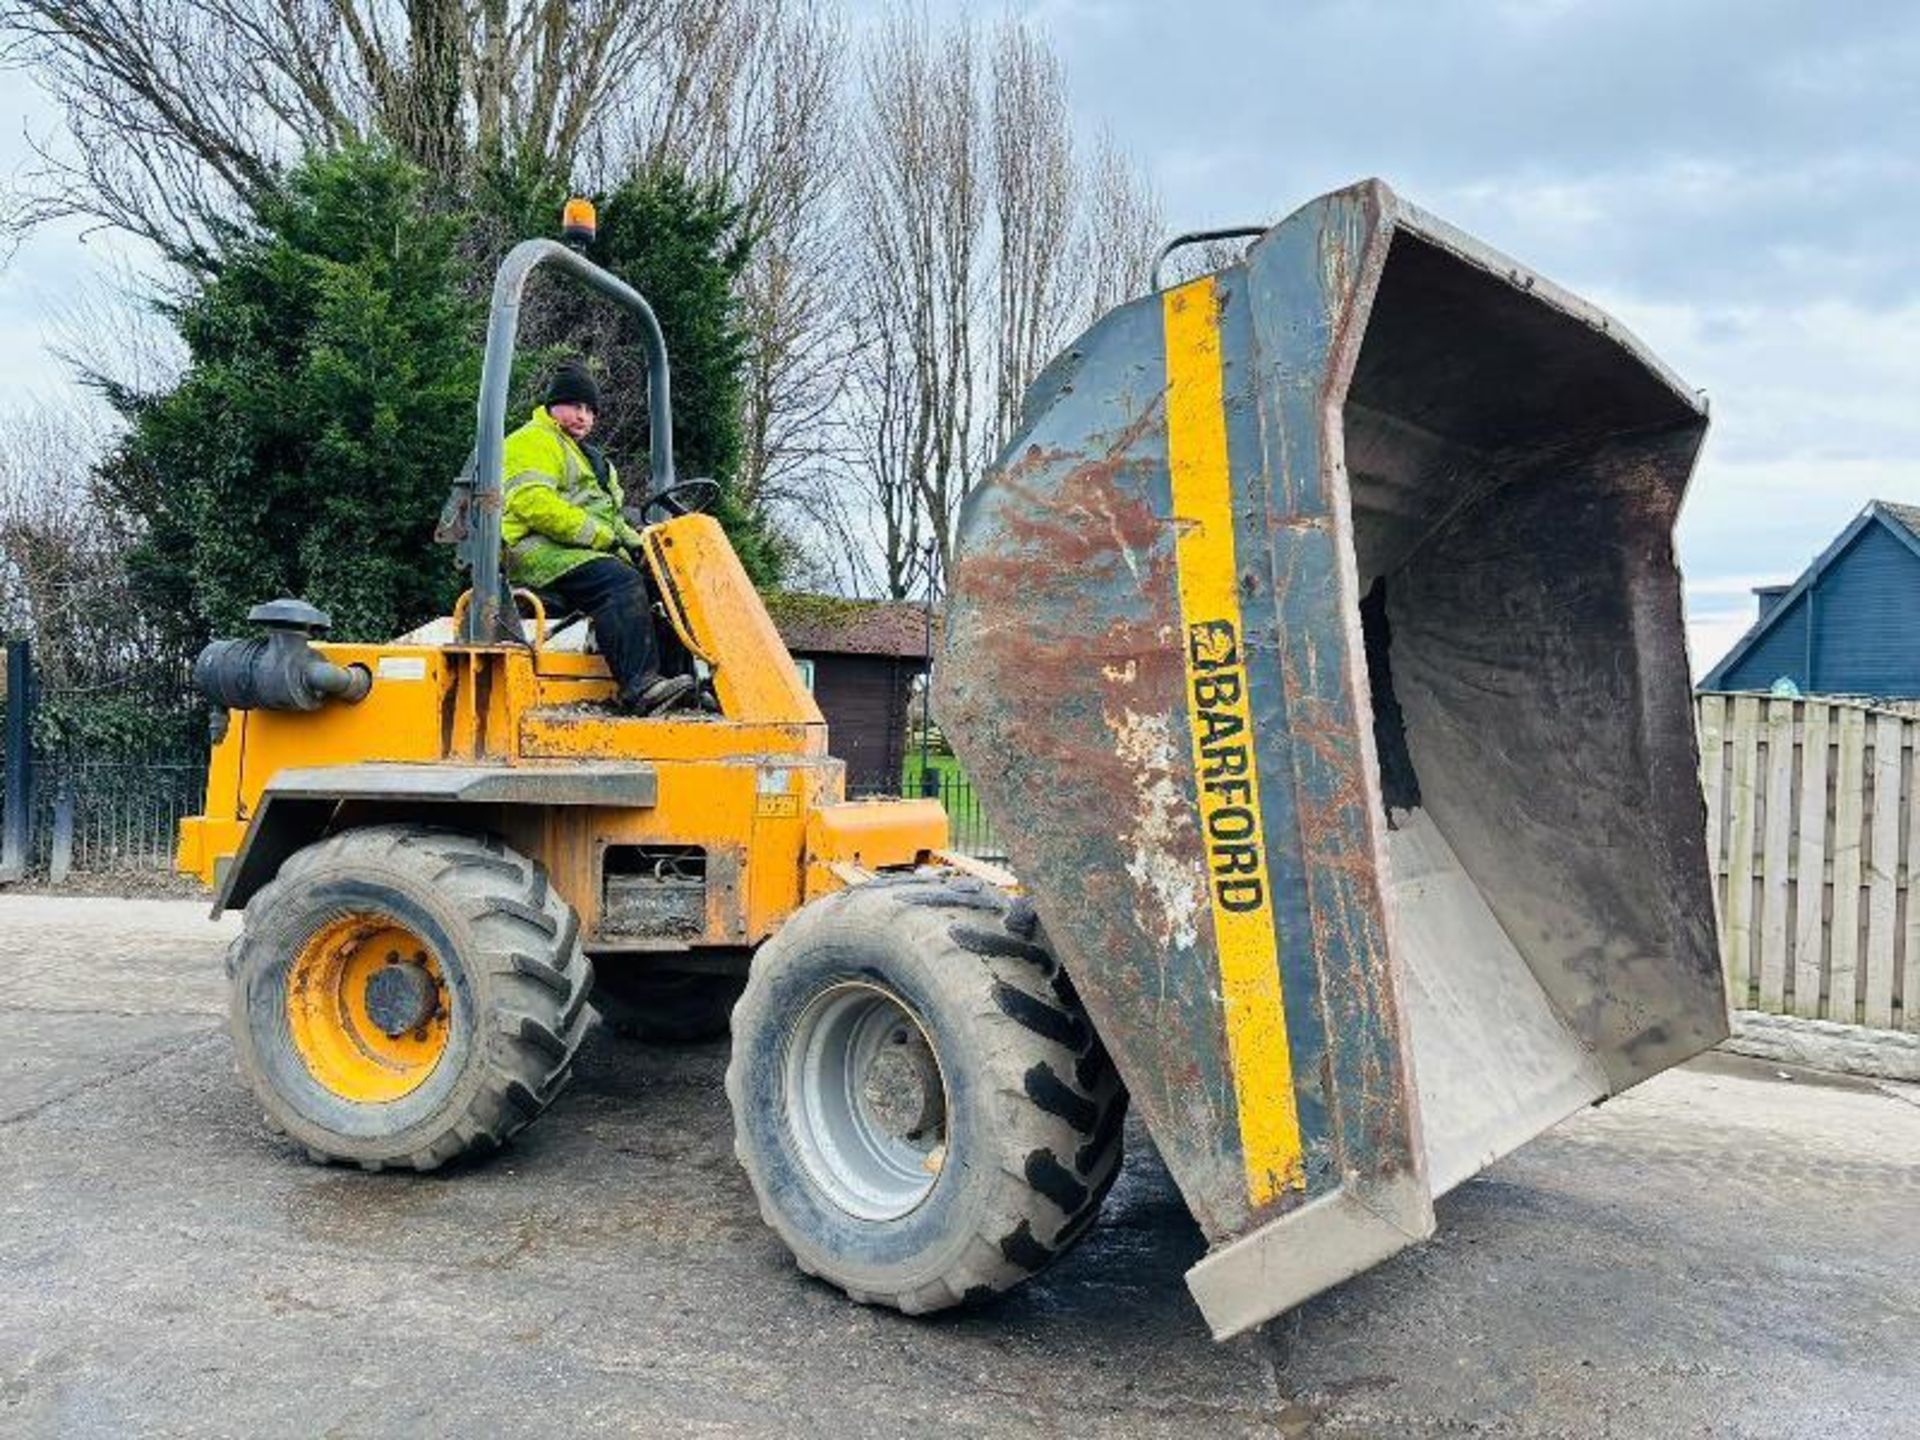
(1155, 282)
(484, 624)
(464, 603)
(539, 615)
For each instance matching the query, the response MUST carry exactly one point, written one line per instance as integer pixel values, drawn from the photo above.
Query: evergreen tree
(333, 365)
(327, 403)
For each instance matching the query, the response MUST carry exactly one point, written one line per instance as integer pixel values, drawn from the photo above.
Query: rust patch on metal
(1074, 606)
(1085, 517)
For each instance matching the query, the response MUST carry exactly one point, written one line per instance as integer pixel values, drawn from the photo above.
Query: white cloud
(1826, 377)
(1709, 638)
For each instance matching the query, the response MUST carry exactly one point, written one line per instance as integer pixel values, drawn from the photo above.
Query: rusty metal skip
(1317, 644)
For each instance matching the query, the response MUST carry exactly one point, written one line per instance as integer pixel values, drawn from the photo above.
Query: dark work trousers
(615, 594)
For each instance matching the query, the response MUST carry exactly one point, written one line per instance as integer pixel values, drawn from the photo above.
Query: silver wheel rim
(865, 1101)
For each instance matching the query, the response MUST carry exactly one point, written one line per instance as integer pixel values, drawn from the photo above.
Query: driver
(565, 536)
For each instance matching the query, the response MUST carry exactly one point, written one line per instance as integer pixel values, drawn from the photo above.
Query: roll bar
(485, 620)
(1156, 276)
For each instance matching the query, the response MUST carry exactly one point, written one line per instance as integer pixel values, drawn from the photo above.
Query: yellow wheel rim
(368, 1008)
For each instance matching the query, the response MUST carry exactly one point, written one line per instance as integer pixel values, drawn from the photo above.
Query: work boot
(662, 693)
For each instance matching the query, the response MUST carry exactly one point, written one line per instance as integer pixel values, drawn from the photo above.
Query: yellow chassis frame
(754, 787)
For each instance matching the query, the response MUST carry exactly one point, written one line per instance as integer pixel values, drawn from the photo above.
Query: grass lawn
(944, 766)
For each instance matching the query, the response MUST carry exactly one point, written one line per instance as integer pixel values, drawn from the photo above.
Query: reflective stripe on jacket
(559, 514)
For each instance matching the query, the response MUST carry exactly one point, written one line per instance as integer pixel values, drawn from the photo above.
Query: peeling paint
(1162, 812)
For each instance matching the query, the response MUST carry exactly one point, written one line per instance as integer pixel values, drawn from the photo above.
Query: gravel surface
(1731, 1250)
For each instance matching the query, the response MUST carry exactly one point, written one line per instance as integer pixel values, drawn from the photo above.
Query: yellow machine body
(522, 741)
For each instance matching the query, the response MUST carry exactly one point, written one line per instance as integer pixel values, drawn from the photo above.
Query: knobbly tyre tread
(531, 982)
(1060, 1092)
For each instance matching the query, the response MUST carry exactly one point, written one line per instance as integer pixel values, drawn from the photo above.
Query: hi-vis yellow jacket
(558, 513)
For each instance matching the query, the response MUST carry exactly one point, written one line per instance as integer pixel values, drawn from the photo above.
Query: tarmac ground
(1732, 1250)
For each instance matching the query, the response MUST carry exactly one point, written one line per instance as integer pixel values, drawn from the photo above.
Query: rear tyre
(665, 1008)
(404, 996)
(921, 1105)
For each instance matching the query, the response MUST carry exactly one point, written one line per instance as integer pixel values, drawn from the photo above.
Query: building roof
(1902, 521)
(833, 625)
(1907, 515)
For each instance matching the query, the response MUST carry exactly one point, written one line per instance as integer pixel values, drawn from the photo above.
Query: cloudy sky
(1739, 180)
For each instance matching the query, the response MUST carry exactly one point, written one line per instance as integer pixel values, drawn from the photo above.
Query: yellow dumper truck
(1316, 647)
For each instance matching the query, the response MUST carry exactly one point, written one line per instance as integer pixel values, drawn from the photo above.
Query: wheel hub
(866, 1102)
(902, 1090)
(367, 1008)
(401, 996)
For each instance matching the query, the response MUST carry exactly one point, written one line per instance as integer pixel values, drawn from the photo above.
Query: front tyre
(404, 996)
(919, 1102)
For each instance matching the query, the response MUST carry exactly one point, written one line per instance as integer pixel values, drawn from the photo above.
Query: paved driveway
(1725, 1252)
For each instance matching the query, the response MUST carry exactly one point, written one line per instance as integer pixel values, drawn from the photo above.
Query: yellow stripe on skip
(1221, 720)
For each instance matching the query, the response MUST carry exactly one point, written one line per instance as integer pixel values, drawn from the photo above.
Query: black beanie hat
(572, 385)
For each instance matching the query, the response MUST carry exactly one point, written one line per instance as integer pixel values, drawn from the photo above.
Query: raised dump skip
(1318, 650)
(1513, 475)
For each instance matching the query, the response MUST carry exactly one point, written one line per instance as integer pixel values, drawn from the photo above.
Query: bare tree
(924, 238)
(61, 580)
(749, 98)
(796, 367)
(981, 241)
(1036, 200)
(920, 209)
(739, 93)
(113, 338)
(885, 411)
(1121, 229)
(181, 113)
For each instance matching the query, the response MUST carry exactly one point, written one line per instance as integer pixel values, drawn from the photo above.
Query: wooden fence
(1813, 821)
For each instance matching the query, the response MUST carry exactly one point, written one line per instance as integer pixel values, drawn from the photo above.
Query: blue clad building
(1850, 625)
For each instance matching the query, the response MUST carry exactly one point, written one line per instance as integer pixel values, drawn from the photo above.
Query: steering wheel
(685, 497)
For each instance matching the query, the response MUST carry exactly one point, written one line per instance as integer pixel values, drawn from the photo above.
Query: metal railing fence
(100, 770)
(969, 830)
(107, 816)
